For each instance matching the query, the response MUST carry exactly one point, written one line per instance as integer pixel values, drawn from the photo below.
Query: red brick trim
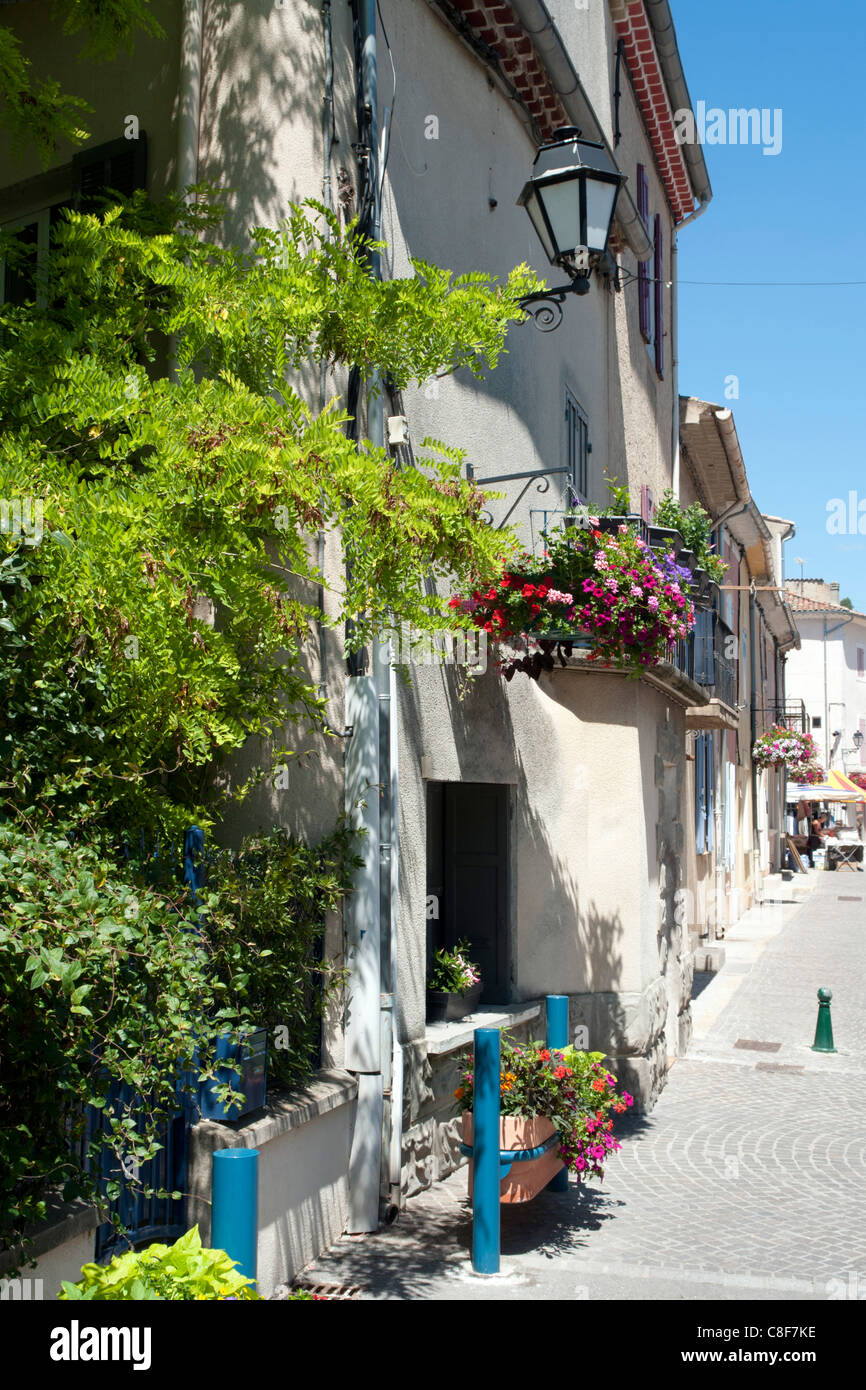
(495, 23)
(633, 27)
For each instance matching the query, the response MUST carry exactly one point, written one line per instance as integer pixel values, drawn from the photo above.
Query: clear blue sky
(799, 353)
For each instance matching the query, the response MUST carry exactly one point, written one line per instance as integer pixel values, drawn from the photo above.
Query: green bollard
(824, 1027)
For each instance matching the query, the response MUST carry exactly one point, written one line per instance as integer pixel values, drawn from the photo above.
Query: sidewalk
(748, 1180)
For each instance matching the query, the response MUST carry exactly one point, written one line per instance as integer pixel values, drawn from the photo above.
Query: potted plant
(559, 1100)
(454, 985)
(694, 525)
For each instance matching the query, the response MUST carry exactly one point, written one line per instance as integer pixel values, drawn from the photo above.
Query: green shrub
(100, 980)
(177, 1273)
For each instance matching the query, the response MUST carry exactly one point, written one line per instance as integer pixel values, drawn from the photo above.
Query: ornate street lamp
(857, 739)
(571, 198)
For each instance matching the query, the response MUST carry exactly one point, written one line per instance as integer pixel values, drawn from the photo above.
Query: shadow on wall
(258, 78)
(560, 940)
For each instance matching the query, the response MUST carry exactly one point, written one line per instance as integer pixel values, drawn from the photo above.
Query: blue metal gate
(136, 1219)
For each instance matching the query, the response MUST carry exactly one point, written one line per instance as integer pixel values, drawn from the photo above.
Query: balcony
(790, 714)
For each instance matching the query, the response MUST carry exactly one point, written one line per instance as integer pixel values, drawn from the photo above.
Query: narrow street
(747, 1181)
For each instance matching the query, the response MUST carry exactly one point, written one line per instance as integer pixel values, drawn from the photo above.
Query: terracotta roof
(802, 603)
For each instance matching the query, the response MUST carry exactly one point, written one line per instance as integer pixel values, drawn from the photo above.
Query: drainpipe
(369, 1024)
(675, 370)
(189, 95)
(327, 129)
(753, 684)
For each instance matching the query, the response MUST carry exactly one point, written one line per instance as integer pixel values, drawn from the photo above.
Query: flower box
(665, 538)
(446, 1007)
(526, 1177)
(611, 524)
(577, 636)
(248, 1072)
(688, 558)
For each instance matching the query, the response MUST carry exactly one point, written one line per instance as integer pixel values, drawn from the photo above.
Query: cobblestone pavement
(746, 1181)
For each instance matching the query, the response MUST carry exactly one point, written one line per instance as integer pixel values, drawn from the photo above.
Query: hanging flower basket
(780, 746)
(607, 592)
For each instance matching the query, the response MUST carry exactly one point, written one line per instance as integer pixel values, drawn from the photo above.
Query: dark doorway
(467, 877)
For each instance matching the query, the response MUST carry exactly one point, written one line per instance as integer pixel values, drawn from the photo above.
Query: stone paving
(744, 1182)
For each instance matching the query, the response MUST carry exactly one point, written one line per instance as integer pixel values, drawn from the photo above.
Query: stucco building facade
(551, 823)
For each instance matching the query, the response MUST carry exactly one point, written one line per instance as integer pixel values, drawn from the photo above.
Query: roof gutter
(730, 440)
(536, 20)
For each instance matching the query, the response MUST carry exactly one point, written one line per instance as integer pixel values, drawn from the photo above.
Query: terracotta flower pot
(527, 1177)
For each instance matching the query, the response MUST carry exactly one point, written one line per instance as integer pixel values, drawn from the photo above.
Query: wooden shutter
(700, 794)
(659, 288)
(643, 278)
(119, 165)
(711, 792)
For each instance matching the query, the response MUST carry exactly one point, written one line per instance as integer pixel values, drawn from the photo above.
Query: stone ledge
(664, 677)
(448, 1037)
(64, 1221)
(288, 1110)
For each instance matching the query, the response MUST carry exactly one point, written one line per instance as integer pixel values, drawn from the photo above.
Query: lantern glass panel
(600, 198)
(562, 201)
(534, 209)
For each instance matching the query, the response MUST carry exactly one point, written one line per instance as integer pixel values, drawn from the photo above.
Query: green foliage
(182, 1272)
(100, 979)
(696, 527)
(38, 112)
(164, 496)
(620, 498)
(165, 619)
(265, 922)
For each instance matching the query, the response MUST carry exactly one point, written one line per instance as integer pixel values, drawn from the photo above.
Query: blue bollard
(485, 1146)
(235, 1215)
(557, 1036)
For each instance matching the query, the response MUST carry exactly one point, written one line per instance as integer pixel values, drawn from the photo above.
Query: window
(861, 663)
(816, 721)
(577, 447)
(705, 782)
(120, 165)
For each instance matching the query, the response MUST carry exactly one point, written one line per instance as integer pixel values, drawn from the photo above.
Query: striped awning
(835, 787)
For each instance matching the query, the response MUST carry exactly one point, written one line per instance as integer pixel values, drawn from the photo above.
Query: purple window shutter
(658, 271)
(643, 280)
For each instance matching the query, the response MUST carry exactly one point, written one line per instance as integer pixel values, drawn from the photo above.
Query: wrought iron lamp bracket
(545, 306)
(540, 476)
